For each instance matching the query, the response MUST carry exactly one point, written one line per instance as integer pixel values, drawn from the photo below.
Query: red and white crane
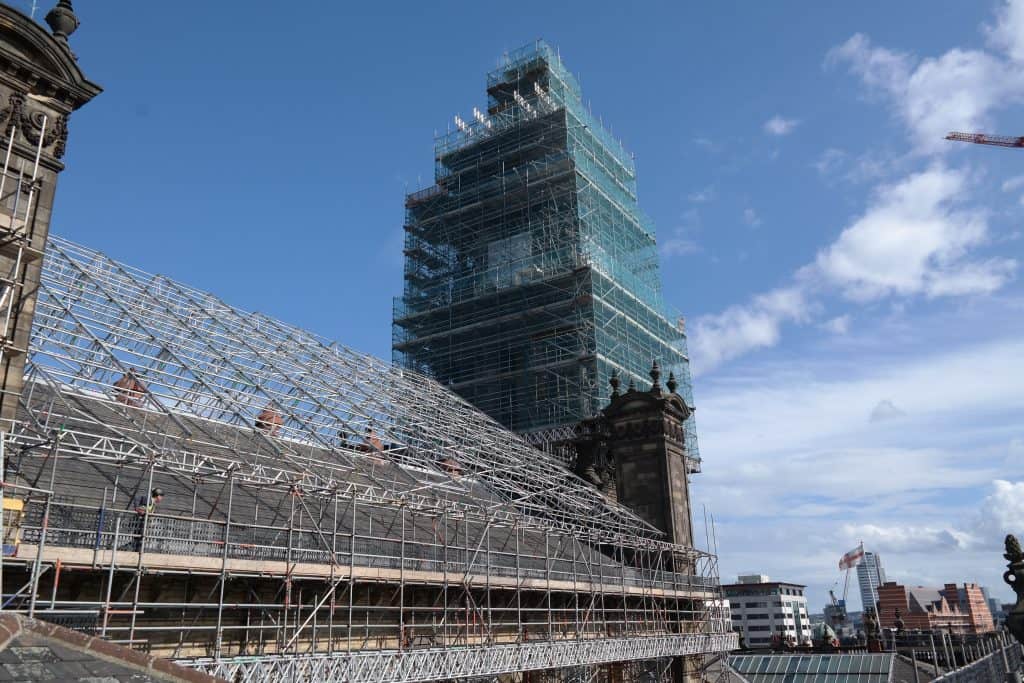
(983, 139)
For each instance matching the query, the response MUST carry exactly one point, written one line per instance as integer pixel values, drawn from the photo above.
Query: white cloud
(681, 240)
(751, 218)
(885, 410)
(830, 160)
(1015, 454)
(911, 240)
(739, 329)
(839, 325)
(918, 234)
(679, 245)
(778, 125)
(1008, 33)
(794, 478)
(1013, 184)
(700, 196)
(958, 90)
(1002, 512)
(835, 163)
(817, 408)
(980, 277)
(903, 539)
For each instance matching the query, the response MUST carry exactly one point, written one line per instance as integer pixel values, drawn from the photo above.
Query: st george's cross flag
(852, 558)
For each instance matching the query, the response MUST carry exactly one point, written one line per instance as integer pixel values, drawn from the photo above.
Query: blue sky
(851, 281)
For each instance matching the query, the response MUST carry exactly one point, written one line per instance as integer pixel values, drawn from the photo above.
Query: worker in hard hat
(146, 505)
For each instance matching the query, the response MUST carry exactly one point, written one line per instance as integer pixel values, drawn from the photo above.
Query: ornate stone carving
(30, 122)
(62, 137)
(1014, 577)
(33, 122)
(11, 114)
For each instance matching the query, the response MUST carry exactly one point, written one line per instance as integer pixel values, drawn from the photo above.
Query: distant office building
(958, 609)
(870, 575)
(994, 607)
(762, 609)
(835, 615)
(998, 614)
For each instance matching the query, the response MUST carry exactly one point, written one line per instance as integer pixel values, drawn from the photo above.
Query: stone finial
(632, 385)
(671, 383)
(614, 381)
(1014, 577)
(655, 376)
(62, 20)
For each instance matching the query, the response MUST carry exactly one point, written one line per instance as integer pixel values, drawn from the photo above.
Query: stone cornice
(43, 63)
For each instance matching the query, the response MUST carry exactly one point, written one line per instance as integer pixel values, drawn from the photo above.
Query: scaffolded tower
(531, 274)
(324, 515)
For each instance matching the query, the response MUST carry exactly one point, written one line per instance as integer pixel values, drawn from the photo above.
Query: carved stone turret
(636, 448)
(40, 85)
(647, 446)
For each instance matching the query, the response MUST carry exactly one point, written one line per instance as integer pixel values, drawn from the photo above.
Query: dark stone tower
(40, 85)
(635, 451)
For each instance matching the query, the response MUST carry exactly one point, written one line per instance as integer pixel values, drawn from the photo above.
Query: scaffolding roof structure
(97, 319)
(345, 519)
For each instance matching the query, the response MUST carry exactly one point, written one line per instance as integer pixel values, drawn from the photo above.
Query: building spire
(655, 377)
(62, 20)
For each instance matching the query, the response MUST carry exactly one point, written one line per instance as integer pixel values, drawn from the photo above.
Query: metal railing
(1002, 658)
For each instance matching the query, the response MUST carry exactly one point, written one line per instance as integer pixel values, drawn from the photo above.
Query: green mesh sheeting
(531, 274)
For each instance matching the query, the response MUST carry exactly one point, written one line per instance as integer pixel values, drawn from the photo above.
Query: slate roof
(922, 598)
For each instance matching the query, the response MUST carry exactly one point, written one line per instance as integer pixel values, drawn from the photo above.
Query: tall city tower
(40, 85)
(870, 575)
(531, 274)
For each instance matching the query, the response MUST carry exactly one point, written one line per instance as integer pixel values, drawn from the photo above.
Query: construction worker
(146, 505)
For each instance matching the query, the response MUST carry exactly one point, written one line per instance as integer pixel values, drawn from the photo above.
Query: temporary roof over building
(200, 358)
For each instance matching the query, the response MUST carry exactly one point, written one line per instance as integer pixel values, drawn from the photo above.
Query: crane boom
(983, 139)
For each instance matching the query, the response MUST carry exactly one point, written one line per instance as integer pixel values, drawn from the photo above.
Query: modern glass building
(531, 274)
(870, 575)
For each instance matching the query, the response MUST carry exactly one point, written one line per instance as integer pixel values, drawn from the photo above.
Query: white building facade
(870, 575)
(766, 612)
